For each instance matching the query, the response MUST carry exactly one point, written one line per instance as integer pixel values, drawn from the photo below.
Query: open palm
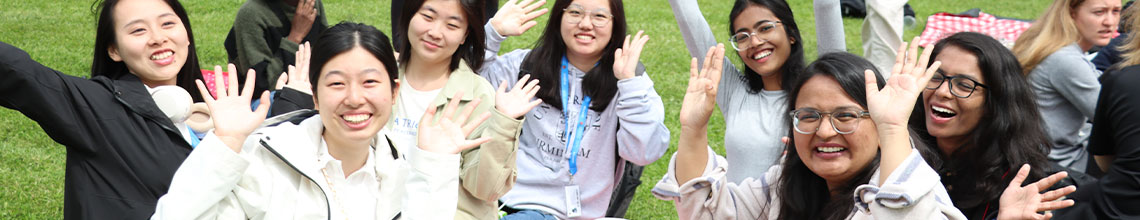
(626, 57)
(517, 16)
(298, 76)
(1018, 202)
(449, 134)
(892, 105)
(519, 100)
(700, 97)
(233, 120)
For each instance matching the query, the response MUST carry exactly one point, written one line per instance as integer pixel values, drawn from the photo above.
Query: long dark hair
(545, 61)
(103, 65)
(471, 51)
(1010, 133)
(803, 194)
(344, 37)
(795, 62)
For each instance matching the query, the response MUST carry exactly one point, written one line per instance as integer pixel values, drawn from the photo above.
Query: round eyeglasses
(844, 121)
(743, 40)
(575, 13)
(961, 86)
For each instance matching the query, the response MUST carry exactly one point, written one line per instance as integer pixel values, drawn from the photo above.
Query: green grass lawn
(60, 34)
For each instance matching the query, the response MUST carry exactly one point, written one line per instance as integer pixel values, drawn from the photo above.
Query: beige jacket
(488, 171)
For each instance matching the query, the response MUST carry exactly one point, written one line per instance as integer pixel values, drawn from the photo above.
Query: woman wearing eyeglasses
(753, 100)
(979, 114)
(598, 109)
(850, 156)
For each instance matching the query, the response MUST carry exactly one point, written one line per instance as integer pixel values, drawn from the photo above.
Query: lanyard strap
(573, 137)
(193, 138)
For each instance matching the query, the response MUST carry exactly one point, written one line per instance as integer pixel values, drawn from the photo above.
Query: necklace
(335, 195)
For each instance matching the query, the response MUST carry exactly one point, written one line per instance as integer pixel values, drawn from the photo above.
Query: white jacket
(276, 176)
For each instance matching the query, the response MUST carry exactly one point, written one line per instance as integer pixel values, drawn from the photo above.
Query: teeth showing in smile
(584, 37)
(943, 112)
(829, 149)
(762, 55)
(356, 118)
(163, 55)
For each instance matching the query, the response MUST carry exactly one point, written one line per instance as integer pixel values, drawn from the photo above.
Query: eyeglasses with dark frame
(743, 40)
(844, 121)
(598, 17)
(959, 84)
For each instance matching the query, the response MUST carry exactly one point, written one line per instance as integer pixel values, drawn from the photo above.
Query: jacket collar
(299, 145)
(132, 93)
(460, 80)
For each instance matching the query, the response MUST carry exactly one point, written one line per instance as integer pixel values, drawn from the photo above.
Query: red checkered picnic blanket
(942, 24)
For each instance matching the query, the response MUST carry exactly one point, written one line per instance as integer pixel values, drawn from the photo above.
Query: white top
(406, 113)
(351, 197)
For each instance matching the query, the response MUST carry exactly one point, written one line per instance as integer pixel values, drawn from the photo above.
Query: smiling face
(437, 30)
(150, 39)
(585, 39)
(354, 96)
(771, 47)
(1096, 21)
(834, 157)
(949, 117)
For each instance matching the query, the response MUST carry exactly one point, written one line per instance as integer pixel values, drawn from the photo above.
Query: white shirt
(352, 197)
(406, 113)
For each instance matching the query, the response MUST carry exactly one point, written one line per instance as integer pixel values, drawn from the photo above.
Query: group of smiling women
(449, 128)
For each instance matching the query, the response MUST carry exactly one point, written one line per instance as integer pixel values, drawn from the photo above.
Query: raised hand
(449, 135)
(298, 76)
(233, 120)
(303, 19)
(892, 105)
(517, 102)
(1018, 202)
(626, 57)
(517, 16)
(700, 97)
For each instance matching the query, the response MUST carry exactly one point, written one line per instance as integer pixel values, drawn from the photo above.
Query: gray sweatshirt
(542, 161)
(754, 123)
(1066, 86)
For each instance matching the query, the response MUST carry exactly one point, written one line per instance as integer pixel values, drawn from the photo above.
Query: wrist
(234, 142)
(295, 38)
(694, 131)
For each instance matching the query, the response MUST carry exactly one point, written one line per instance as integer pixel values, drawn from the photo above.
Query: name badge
(573, 202)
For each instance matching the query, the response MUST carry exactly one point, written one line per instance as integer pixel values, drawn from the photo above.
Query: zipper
(328, 209)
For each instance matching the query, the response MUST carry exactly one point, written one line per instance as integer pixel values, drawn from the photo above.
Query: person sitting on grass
(598, 108)
(331, 163)
(122, 148)
(850, 138)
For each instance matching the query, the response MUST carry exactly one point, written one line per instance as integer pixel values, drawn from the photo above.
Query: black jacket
(121, 150)
(1116, 132)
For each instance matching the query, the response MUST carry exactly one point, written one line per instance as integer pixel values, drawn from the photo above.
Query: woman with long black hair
(850, 139)
(598, 109)
(979, 114)
(765, 36)
(122, 149)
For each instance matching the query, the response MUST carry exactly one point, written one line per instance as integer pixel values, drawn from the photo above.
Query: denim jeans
(529, 215)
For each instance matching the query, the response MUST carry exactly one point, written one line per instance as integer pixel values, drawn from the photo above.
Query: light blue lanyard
(193, 138)
(573, 144)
